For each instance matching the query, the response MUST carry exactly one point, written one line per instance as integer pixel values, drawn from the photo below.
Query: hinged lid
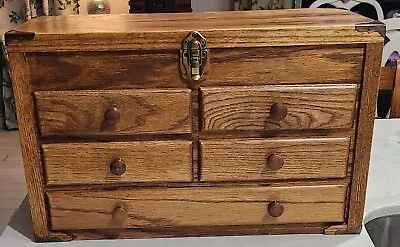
(166, 31)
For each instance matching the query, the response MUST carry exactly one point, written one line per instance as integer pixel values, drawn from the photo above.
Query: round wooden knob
(278, 111)
(112, 115)
(118, 167)
(119, 214)
(274, 162)
(275, 209)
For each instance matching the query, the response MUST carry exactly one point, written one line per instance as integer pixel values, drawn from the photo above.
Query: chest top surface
(222, 29)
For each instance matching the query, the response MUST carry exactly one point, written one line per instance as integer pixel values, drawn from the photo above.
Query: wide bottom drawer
(197, 206)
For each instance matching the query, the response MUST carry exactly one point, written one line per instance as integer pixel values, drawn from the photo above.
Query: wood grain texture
(195, 184)
(313, 228)
(105, 70)
(141, 111)
(308, 107)
(387, 78)
(196, 206)
(146, 161)
(364, 134)
(122, 70)
(341, 230)
(29, 143)
(222, 29)
(113, 88)
(395, 110)
(333, 230)
(246, 159)
(284, 65)
(195, 131)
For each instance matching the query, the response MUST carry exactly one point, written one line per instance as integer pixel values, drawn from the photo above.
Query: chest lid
(221, 29)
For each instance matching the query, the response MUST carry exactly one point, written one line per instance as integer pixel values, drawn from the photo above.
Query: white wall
(211, 5)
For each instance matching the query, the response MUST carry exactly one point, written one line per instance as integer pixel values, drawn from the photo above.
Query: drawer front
(259, 159)
(118, 162)
(183, 207)
(278, 107)
(244, 66)
(121, 112)
(104, 70)
(285, 65)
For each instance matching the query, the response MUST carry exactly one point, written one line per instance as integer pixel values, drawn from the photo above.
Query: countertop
(383, 198)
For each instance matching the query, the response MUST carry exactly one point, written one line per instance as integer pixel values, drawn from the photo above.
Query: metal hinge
(194, 56)
(18, 35)
(374, 26)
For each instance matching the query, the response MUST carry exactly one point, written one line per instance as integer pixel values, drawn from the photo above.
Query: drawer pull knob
(118, 167)
(275, 162)
(275, 209)
(119, 214)
(278, 111)
(112, 115)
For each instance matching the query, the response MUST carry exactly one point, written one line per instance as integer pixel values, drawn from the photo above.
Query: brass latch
(194, 55)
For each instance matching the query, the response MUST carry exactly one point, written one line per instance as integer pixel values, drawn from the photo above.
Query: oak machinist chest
(196, 124)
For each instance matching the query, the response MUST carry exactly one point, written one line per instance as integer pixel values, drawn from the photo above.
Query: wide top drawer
(238, 66)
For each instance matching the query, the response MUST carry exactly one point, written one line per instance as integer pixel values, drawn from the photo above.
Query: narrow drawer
(285, 65)
(118, 162)
(121, 112)
(197, 206)
(278, 107)
(104, 70)
(260, 159)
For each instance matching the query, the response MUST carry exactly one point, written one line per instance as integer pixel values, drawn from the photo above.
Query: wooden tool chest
(196, 124)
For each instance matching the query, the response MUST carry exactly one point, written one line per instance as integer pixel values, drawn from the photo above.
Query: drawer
(121, 112)
(197, 206)
(117, 162)
(104, 70)
(285, 65)
(278, 107)
(239, 66)
(260, 159)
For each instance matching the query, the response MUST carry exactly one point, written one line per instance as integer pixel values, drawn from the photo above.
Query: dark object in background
(159, 6)
(384, 103)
